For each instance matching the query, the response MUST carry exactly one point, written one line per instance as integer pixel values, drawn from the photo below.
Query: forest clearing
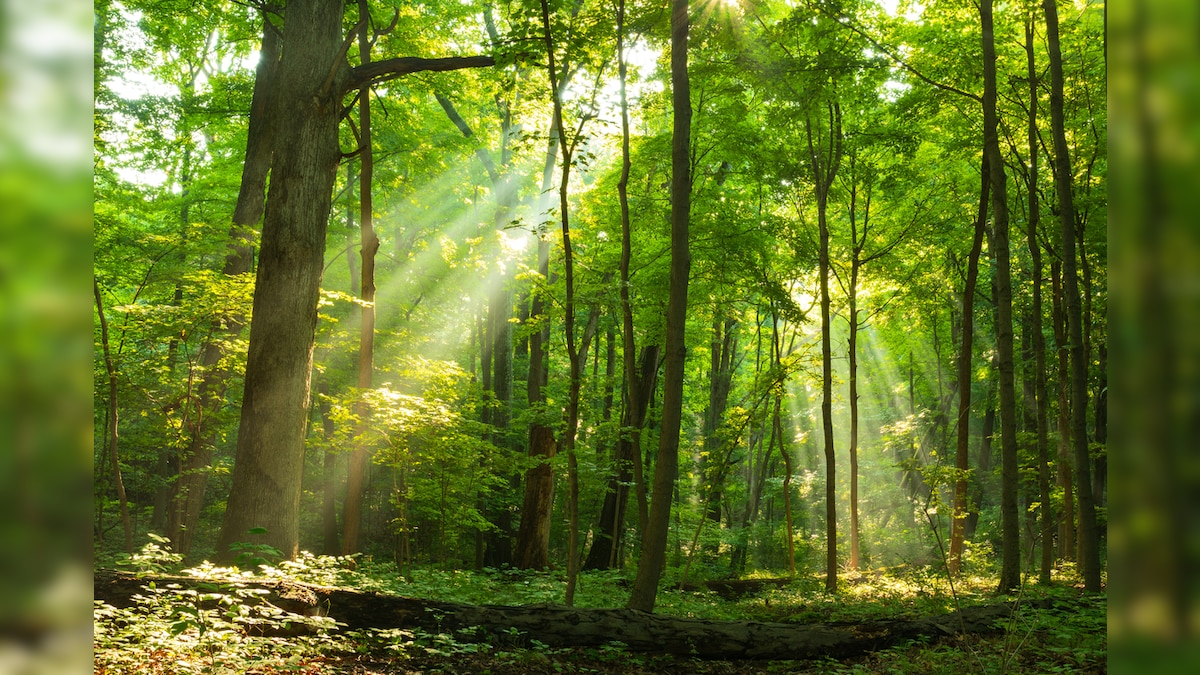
(585, 336)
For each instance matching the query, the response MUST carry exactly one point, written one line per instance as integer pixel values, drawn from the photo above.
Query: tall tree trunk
(112, 436)
(1100, 476)
(188, 496)
(1041, 391)
(824, 169)
(1010, 571)
(852, 386)
(1089, 547)
(654, 538)
(269, 462)
(566, 146)
(357, 469)
(965, 354)
(1066, 523)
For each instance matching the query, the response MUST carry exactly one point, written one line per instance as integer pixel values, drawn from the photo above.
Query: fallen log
(560, 626)
(732, 589)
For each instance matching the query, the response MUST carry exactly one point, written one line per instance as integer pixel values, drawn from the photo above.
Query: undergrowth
(222, 626)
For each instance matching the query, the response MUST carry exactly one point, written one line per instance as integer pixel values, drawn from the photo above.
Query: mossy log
(560, 626)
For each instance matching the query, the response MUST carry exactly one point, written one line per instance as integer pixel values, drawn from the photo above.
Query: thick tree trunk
(1089, 546)
(559, 626)
(654, 538)
(965, 354)
(305, 110)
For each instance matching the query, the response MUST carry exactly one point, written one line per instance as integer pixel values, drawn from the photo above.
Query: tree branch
(388, 69)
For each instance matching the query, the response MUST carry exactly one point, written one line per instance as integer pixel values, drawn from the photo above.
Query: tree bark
(1010, 571)
(112, 417)
(269, 462)
(1040, 390)
(965, 354)
(1089, 548)
(654, 538)
(357, 468)
(824, 170)
(1066, 522)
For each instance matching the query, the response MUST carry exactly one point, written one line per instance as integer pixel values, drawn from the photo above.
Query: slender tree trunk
(573, 355)
(1089, 549)
(852, 376)
(1066, 523)
(639, 383)
(1100, 476)
(1039, 340)
(1010, 572)
(965, 354)
(654, 538)
(112, 418)
(357, 471)
(824, 169)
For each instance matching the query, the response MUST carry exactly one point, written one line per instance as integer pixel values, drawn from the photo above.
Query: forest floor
(189, 632)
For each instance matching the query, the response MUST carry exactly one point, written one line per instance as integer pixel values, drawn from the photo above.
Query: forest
(600, 336)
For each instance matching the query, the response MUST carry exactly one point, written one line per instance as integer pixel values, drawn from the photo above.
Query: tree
(112, 437)
(1010, 571)
(1040, 390)
(1089, 548)
(654, 538)
(962, 447)
(305, 112)
(825, 160)
(352, 520)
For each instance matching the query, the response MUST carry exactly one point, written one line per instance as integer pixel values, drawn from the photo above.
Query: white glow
(513, 242)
